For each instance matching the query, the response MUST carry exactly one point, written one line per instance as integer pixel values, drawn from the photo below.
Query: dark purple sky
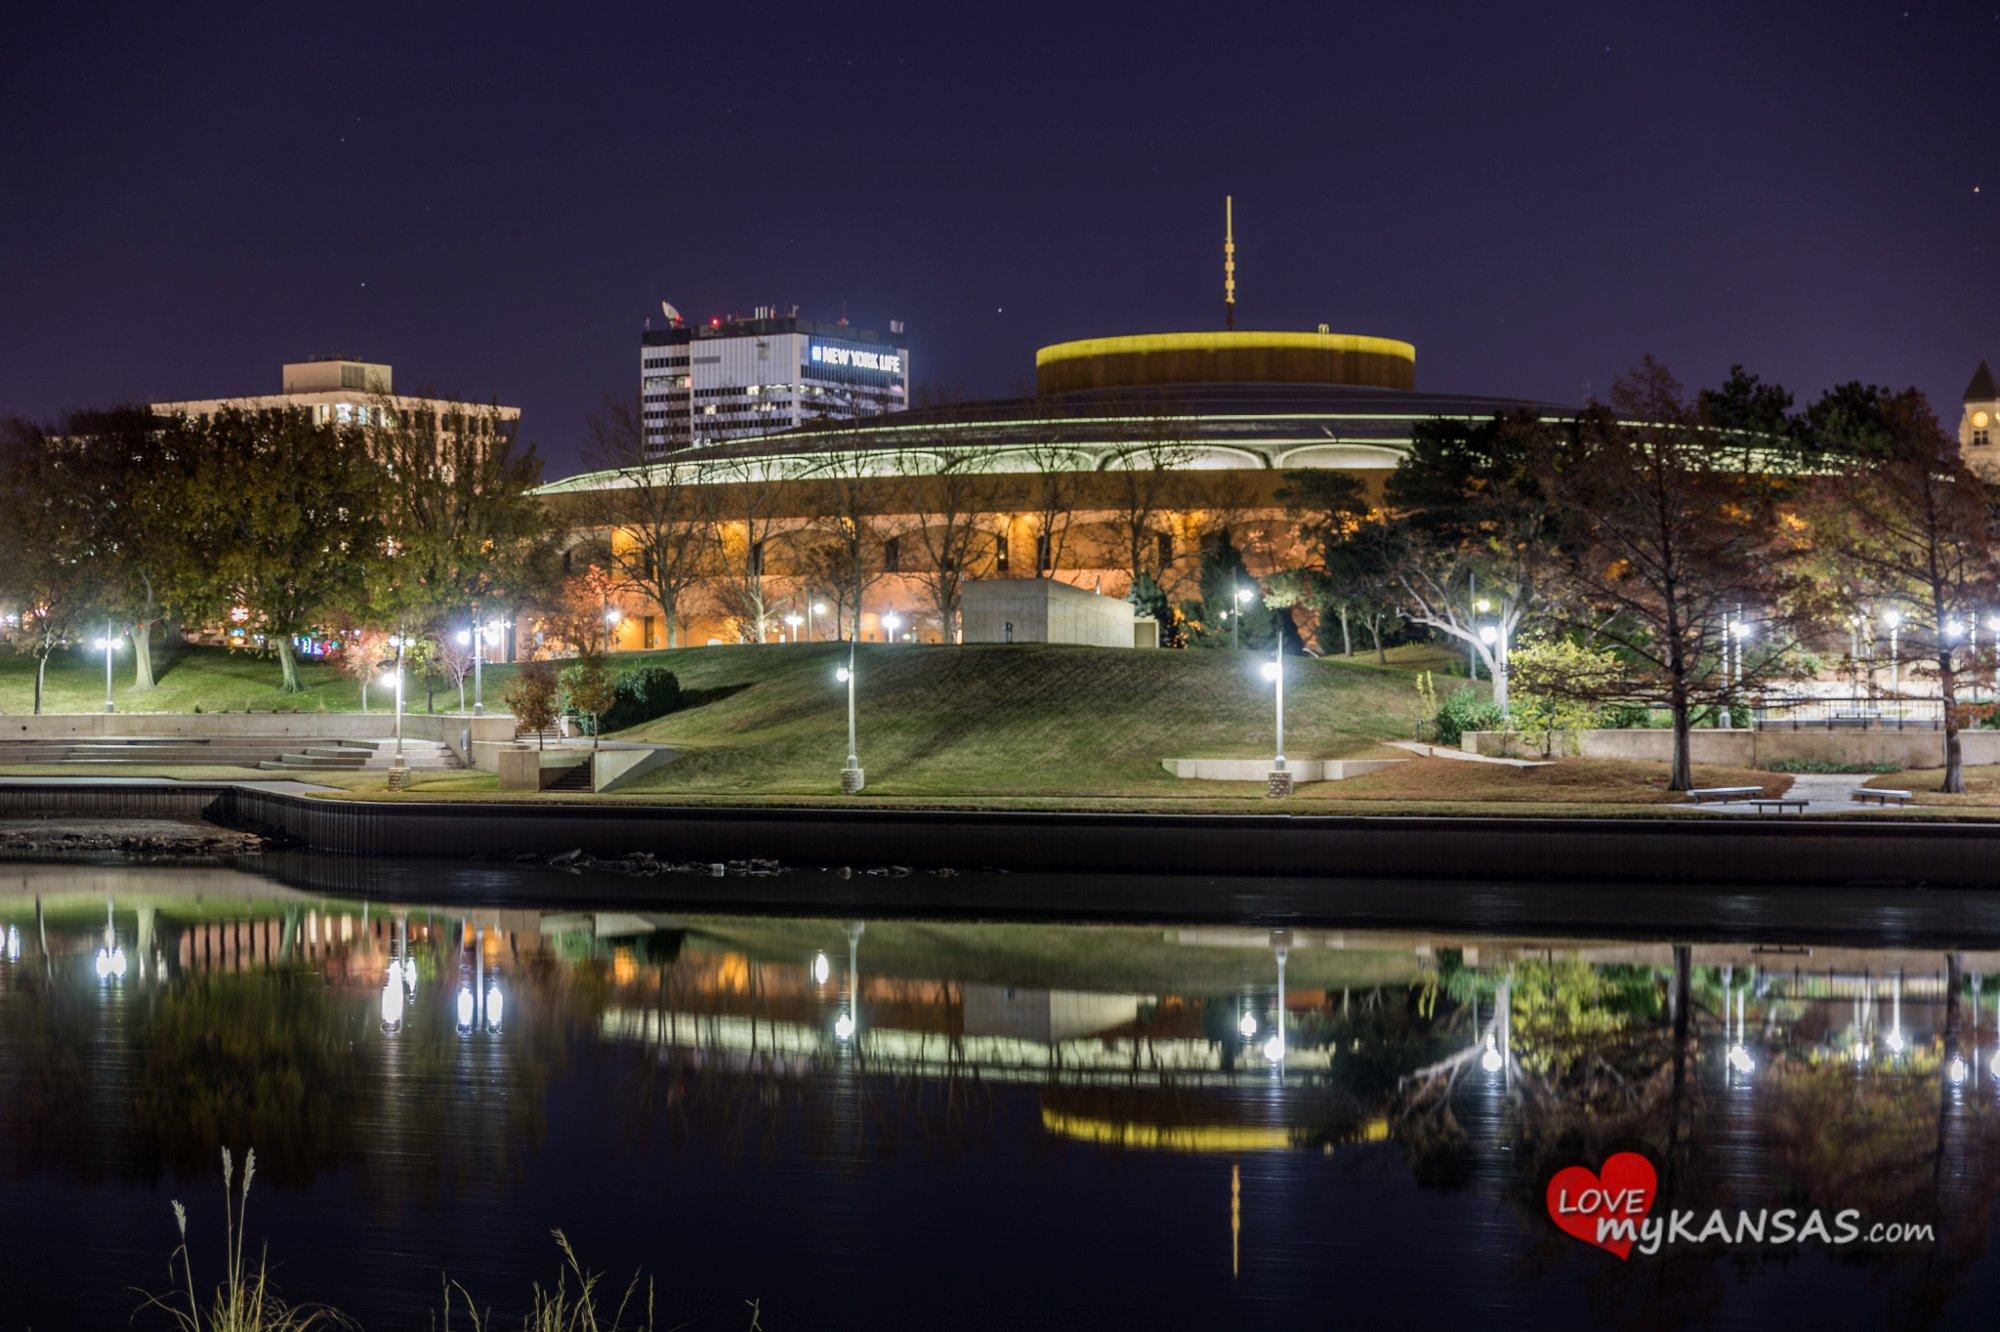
(494, 197)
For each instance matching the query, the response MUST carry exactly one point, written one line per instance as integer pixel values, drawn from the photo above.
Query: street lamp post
(612, 616)
(1993, 624)
(110, 645)
(891, 622)
(1241, 597)
(399, 767)
(1894, 619)
(851, 777)
(792, 622)
(1278, 782)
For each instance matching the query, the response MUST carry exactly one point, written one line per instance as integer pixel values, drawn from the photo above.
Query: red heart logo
(1597, 1206)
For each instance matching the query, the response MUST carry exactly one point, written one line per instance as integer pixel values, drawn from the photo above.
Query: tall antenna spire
(1229, 261)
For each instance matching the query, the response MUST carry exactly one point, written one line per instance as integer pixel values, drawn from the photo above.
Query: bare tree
(853, 511)
(1667, 534)
(949, 492)
(748, 524)
(1914, 526)
(659, 513)
(1143, 481)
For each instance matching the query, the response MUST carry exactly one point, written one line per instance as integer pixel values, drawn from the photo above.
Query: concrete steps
(365, 756)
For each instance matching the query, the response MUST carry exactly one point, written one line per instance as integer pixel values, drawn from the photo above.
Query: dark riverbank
(52, 834)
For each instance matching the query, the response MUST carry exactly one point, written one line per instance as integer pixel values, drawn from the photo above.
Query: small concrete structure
(537, 769)
(1043, 610)
(1259, 769)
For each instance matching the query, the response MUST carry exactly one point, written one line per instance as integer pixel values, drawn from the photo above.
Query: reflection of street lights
(1274, 1049)
(392, 1002)
(849, 1021)
(1278, 782)
(1895, 1038)
(851, 777)
(110, 645)
(1248, 1025)
(821, 968)
(1489, 1058)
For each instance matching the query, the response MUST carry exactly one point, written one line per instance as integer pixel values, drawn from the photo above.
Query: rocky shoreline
(136, 837)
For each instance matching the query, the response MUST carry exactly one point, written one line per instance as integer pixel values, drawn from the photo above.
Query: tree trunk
(1954, 755)
(1346, 635)
(461, 693)
(1682, 778)
(1375, 632)
(289, 664)
(673, 626)
(142, 655)
(41, 670)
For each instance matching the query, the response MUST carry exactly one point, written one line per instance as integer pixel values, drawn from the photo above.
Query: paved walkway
(1423, 750)
(1823, 792)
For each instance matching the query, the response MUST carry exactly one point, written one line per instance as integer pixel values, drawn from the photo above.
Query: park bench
(1765, 804)
(1882, 796)
(1701, 795)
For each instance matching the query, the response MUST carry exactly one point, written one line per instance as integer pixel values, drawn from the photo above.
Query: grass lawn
(993, 727)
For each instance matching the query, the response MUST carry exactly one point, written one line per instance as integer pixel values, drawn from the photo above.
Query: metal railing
(1876, 712)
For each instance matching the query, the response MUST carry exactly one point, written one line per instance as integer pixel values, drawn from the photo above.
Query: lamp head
(842, 674)
(1488, 635)
(1243, 595)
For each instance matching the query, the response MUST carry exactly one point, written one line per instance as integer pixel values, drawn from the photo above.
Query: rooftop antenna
(1229, 261)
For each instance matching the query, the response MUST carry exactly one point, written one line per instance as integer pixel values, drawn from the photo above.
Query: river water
(900, 1119)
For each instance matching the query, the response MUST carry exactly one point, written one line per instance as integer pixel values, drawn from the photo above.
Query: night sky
(493, 198)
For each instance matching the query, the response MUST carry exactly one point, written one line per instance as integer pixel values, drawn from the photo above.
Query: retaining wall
(1761, 748)
(1721, 849)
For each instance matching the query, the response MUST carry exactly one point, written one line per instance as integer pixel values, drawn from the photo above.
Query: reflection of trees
(249, 1060)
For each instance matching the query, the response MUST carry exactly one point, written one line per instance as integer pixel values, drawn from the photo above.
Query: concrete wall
(1757, 749)
(450, 729)
(1043, 610)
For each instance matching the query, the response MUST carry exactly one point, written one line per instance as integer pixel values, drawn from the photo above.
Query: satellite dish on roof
(673, 315)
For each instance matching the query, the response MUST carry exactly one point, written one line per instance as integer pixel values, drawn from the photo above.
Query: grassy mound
(1021, 719)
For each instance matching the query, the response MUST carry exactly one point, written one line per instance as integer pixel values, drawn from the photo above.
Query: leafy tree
(1348, 576)
(289, 512)
(589, 689)
(124, 463)
(46, 510)
(1556, 680)
(1746, 403)
(531, 697)
(359, 655)
(1223, 577)
(1470, 519)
